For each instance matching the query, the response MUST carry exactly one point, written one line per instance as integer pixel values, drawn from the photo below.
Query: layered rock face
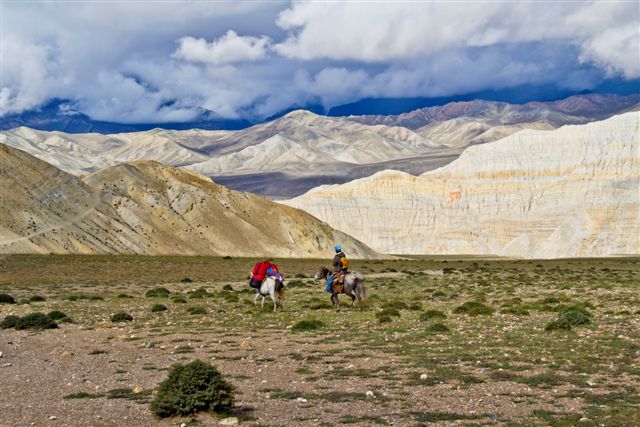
(145, 207)
(574, 191)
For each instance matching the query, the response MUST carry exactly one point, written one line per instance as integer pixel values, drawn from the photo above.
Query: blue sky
(165, 61)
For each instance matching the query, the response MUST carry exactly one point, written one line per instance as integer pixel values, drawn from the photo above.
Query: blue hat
(338, 248)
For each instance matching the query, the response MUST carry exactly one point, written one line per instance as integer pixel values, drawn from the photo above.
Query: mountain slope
(574, 191)
(460, 124)
(145, 207)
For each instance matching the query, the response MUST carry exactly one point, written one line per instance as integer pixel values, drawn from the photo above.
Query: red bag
(260, 270)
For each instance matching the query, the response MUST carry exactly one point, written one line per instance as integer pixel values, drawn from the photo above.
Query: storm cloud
(143, 62)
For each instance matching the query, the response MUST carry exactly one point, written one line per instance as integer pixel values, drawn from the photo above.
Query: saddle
(338, 282)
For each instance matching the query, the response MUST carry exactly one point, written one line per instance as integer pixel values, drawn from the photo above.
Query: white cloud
(227, 49)
(119, 61)
(606, 32)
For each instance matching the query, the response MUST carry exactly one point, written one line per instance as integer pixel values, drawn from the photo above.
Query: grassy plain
(445, 340)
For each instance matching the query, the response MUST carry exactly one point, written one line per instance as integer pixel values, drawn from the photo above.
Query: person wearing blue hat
(340, 266)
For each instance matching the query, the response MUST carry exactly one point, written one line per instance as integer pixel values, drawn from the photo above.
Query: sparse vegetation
(473, 308)
(197, 310)
(157, 293)
(9, 322)
(407, 340)
(121, 316)
(35, 321)
(7, 299)
(158, 307)
(56, 315)
(432, 314)
(308, 325)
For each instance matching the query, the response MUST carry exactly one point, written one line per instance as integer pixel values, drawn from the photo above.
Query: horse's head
(321, 274)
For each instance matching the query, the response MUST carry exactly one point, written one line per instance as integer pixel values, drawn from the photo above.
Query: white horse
(272, 286)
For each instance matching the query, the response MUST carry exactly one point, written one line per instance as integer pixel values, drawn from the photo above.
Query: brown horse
(353, 286)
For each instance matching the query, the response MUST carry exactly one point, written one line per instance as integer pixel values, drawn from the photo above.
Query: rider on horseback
(340, 266)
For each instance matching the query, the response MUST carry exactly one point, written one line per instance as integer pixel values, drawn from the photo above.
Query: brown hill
(145, 207)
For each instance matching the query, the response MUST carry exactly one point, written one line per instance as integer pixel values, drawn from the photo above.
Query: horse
(272, 286)
(353, 286)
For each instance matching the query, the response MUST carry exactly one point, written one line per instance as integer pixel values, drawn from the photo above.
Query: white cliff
(574, 191)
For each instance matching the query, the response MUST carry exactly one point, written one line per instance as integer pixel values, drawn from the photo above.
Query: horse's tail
(280, 290)
(361, 292)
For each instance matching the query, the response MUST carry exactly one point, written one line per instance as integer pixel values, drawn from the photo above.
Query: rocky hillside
(574, 191)
(145, 207)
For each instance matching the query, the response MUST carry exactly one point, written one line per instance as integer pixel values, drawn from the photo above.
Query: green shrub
(573, 316)
(124, 296)
(388, 312)
(384, 319)
(56, 315)
(190, 388)
(186, 280)
(307, 325)
(398, 305)
(179, 300)
(157, 293)
(295, 283)
(35, 321)
(37, 298)
(197, 310)
(432, 314)
(299, 276)
(198, 293)
(96, 298)
(227, 287)
(121, 316)
(473, 308)
(7, 299)
(9, 322)
(437, 294)
(438, 327)
(158, 307)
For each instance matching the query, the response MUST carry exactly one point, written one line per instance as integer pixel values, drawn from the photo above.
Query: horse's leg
(255, 300)
(262, 306)
(272, 294)
(337, 303)
(353, 298)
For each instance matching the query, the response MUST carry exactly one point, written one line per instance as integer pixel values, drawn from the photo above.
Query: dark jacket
(337, 264)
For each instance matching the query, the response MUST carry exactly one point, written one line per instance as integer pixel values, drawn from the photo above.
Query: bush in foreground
(190, 388)
(157, 293)
(432, 314)
(574, 316)
(307, 325)
(121, 316)
(56, 315)
(158, 307)
(197, 310)
(474, 308)
(35, 321)
(9, 322)
(7, 299)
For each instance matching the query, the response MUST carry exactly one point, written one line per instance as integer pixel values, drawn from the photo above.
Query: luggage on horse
(260, 272)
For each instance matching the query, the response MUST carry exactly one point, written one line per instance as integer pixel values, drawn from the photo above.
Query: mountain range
(292, 154)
